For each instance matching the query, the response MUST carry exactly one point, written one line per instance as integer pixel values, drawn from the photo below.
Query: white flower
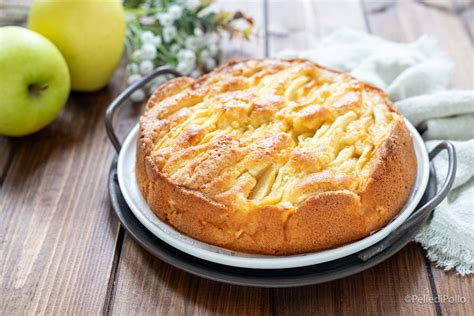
(133, 78)
(165, 19)
(156, 41)
(160, 80)
(149, 51)
(196, 73)
(147, 20)
(187, 56)
(137, 55)
(129, 17)
(169, 33)
(175, 11)
(175, 48)
(184, 67)
(213, 50)
(192, 43)
(204, 56)
(210, 64)
(132, 68)
(212, 38)
(146, 67)
(198, 32)
(192, 4)
(138, 95)
(147, 36)
(212, 8)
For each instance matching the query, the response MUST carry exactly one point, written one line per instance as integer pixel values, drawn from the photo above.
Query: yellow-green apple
(89, 33)
(34, 81)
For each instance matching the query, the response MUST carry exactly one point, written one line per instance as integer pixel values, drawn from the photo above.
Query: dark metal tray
(313, 274)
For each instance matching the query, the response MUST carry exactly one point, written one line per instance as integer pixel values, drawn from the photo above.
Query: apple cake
(274, 157)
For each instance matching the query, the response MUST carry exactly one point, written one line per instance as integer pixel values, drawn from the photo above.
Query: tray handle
(424, 211)
(118, 101)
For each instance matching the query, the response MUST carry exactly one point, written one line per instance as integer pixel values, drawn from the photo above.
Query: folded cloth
(416, 77)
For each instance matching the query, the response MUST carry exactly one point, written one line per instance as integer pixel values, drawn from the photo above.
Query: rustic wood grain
(377, 291)
(441, 21)
(6, 156)
(450, 286)
(57, 234)
(145, 285)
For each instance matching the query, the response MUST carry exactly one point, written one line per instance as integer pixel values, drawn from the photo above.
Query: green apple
(34, 81)
(89, 33)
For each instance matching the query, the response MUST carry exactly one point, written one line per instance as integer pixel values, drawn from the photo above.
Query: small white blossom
(146, 67)
(129, 17)
(212, 38)
(192, 43)
(196, 73)
(184, 67)
(147, 20)
(198, 32)
(186, 55)
(165, 19)
(175, 11)
(132, 68)
(133, 78)
(204, 55)
(212, 8)
(192, 4)
(147, 36)
(210, 64)
(138, 95)
(149, 51)
(137, 55)
(175, 48)
(160, 80)
(169, 33)
(213, 50)
(156, 41)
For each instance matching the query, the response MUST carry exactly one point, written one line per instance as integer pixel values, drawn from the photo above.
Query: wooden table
(62, 250)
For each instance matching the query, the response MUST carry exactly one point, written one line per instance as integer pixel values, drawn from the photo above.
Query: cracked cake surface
(274, 157)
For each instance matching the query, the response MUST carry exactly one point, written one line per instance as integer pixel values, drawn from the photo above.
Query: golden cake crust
(274, 157)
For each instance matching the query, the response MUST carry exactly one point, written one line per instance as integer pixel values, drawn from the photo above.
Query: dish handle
(118, 101)
(408, 229)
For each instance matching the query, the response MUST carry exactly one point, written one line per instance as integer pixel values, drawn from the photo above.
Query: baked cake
(274, 157)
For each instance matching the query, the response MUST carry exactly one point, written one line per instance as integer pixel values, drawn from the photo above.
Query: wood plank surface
(145, 285)
(57, 234)
(6, 156)
(440, 20)
(378, 291)
(148, 286)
